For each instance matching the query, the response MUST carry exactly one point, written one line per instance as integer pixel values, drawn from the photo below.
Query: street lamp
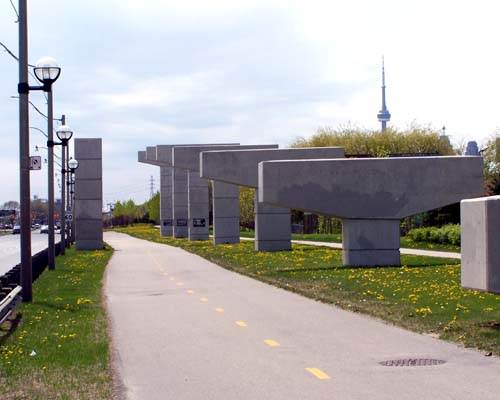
(47, 72)
(64, 133)
(73, 166)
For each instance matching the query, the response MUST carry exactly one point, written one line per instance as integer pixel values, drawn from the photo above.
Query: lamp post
(73, 166)
(48, 72)
(64, 133)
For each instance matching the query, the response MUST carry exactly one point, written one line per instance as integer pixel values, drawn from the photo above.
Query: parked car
(16, 229)
(44, 229)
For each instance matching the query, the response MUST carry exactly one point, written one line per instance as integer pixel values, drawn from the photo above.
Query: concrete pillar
(480, 224)
(370, 242)
(226, 206)
(198, 207)
(273, 227)
(88, 194)
(180, 202)
(166, 220)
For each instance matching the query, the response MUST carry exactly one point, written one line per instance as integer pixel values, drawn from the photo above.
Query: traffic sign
(68, 217)
(35, 163)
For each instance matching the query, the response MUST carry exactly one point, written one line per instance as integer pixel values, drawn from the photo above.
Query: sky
(142, 73)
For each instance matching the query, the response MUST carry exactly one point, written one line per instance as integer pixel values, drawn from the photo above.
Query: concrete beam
(240, 167)
(370, 195)
(480, 224)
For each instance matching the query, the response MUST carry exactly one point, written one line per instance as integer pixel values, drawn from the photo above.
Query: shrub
(447, 234)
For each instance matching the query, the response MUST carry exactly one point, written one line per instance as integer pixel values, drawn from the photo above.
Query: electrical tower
(151, 187)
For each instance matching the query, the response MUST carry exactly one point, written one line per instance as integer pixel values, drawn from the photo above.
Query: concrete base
(273, 227)
(226, 209)
(370, 242)
(180, 202)
(480, 224)
(166, 220)
(198, 207)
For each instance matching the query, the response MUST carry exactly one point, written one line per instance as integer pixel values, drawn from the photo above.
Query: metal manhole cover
(412, 362)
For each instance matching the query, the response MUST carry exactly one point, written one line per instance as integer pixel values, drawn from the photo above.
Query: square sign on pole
(69, 216)
(35, 163)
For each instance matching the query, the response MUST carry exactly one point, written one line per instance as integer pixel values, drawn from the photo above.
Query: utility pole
(24, 158)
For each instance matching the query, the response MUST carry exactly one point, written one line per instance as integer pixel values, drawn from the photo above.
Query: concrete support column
(166, 220)
(180, 202)
(480, 224)
(198, 206)
(88, 194)
(273, 227)
(370, 242)
(226, 206)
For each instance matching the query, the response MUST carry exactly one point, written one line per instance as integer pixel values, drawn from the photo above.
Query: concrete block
(360, 258)
(180, 202)
(89, 169)
(198, 207)
(89, 245)
(88, 194)
(88, 189)
(88, 209)
(273, 227)
(273, 245)
(166, 218)
(226, 213)
(87, 149)
(480, 224)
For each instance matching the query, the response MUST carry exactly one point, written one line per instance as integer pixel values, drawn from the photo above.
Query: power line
(15, 10)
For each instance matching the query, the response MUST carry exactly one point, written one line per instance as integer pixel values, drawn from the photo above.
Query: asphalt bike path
(185, 328)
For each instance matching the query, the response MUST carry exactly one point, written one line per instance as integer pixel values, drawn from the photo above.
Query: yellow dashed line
(190, 291)
(272, 343)
(172, 278)
(179, 284)
(203, 299)
(318, 373)
(241, 323)
(218, 309)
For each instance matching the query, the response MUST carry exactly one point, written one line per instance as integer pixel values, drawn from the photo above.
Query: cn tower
(383, 115)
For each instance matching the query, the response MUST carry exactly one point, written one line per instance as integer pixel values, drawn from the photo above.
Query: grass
(424, 295)
(406, 242)
(57, 347)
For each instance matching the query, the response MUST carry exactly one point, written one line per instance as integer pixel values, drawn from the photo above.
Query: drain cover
(412, 362)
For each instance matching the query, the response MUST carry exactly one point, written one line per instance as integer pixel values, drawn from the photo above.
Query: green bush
(447, 234)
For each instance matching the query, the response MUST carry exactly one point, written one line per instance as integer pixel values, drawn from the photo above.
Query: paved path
(185, 328)
(418, 252)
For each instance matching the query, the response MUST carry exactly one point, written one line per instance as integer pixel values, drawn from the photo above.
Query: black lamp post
(72, 166)
(47, 72)
(64, 133)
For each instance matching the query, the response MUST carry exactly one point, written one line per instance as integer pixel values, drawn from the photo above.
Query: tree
(491, 158)
(247, 211)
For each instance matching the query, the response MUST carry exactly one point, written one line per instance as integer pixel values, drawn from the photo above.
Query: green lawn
(57, 347)
(423, 295)
(406, 242)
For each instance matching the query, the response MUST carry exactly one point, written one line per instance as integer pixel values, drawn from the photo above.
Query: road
(184, 328)
(10, 248)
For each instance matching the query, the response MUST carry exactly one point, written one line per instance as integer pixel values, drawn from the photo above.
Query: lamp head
(73, 164)
(64, 133)
(47, 71)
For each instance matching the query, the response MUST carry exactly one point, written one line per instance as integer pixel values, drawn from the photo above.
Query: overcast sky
(141, 73)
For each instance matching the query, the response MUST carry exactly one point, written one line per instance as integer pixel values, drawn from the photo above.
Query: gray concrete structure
(370, 195)
(88, 194)
(226, 213)
(166, 223)
(180, 192)
(240, 167)
(480, 225)
(188, 158)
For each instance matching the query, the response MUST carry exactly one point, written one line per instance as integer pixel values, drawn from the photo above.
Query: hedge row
(447, 234)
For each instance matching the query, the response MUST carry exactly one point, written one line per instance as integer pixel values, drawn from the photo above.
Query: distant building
(472, 149)
(383, 115)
